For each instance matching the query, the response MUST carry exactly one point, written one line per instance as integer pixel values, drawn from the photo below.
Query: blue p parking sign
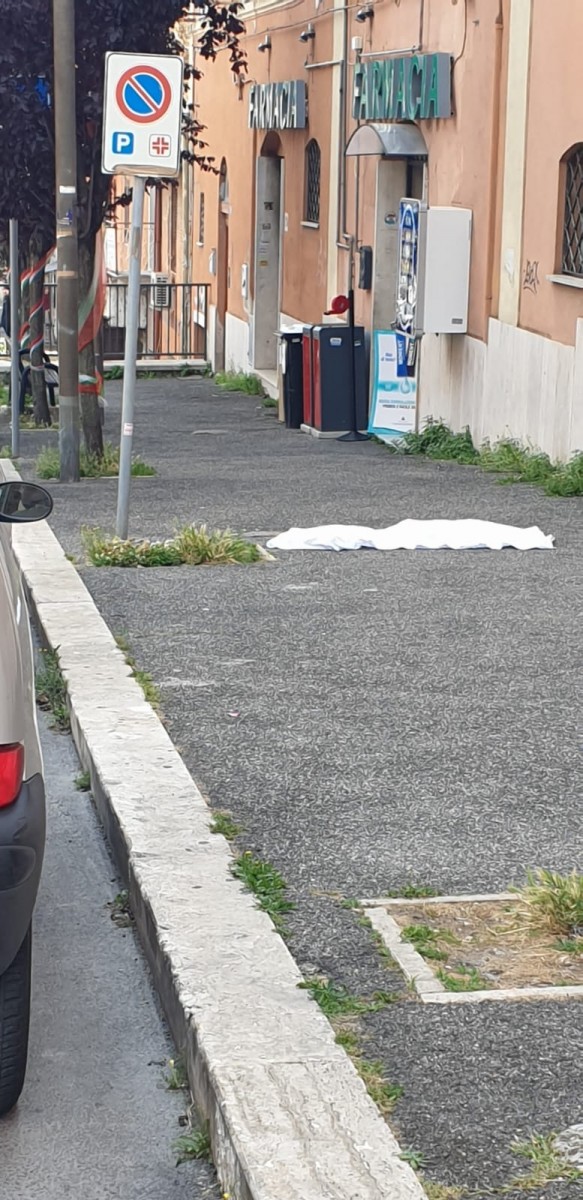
(123, 143)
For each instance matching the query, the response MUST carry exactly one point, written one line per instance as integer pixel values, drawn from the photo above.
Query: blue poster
(394, 396)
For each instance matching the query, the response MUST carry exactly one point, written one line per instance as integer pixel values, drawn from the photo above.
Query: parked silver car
(22, 794)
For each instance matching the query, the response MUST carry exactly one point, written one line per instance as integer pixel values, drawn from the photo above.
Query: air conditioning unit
(160, 293)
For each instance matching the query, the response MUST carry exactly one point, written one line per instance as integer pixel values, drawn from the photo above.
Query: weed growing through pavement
(384, 1093)
(267, 885)
(269, 402)
(195, 1144)
(223, 823)
(83, 782)
(120, 911)
(442, 1191)
(547, 1164)
(414, 1157)
(90, 467)
(143, 678)
(238, 381)
(336, 1001)
(192, 546)
(343, 1011)
(51, 692)
(5, 452)
(176, 1079)
(553, 902)
(515, 463)
(413, 891)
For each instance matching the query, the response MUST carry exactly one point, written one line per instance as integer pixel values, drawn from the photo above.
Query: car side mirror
(21, 502)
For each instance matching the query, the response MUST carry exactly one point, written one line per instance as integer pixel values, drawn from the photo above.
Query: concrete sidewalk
(400, 718)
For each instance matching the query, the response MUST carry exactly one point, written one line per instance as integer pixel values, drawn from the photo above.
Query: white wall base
(211, 335)
(517, 385)
(236, 344)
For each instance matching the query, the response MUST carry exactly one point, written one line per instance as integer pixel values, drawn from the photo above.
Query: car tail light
(11, 773)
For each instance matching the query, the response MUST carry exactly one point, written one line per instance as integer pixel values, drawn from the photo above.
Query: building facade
(342, 110)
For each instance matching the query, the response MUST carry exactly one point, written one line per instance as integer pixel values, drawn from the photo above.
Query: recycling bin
(293, 381)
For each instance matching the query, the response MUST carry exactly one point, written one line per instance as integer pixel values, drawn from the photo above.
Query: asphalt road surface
(96, 1119)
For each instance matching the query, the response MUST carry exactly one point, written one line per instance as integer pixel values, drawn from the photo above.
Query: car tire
(14, 1023)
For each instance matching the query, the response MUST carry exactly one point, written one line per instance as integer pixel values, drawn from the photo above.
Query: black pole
(354, 434)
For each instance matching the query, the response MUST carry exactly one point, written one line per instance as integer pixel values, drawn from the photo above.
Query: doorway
(268, 255)
(222, 268)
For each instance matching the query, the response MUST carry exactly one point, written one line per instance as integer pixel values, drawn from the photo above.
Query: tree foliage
(27, 138)
(27, 186)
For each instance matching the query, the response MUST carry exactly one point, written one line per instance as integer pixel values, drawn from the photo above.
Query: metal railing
(173, 320)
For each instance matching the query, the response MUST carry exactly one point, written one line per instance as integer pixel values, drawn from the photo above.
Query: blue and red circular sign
(143, 95)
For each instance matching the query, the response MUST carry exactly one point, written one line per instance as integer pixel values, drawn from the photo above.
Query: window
(572, 257)
(201, 220)
(312, 184)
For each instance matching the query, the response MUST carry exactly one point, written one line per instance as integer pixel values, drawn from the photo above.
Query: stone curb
(289, 1117)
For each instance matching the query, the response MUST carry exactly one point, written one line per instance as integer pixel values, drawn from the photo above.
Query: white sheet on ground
(415, 535)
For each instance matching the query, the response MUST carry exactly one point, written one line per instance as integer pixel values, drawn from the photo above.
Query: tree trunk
(91, 407)
(41, 409)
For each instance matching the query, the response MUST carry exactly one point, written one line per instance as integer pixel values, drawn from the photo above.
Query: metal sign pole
(14, 340)
(130, 358)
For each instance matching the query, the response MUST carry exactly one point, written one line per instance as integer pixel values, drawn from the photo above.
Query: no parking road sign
(143, 111)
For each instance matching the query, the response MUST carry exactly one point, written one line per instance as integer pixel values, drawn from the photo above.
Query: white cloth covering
(415, 535)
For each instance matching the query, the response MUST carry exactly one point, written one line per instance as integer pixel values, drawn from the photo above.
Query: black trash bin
(293, 378)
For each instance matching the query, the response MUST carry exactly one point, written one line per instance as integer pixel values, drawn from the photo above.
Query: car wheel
(14, 1022)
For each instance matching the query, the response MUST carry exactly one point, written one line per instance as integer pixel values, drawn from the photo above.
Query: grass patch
(195, 1144)
(83, 782)
(114, 373)
(90, 467)
(553, 901)
(151, 693)
(5, 452)
(267, 885)
(336, 1001)
(269, 402)
(4, 396)
(51, 692)
(508, 458)
(223, 823)
(192, 546)
(238, 381)
(462, 979)
(547, 1163)
(571, 945)
(27, 421)
(425, 940)
(437, 440)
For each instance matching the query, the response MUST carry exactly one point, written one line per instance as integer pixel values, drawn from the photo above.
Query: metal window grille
(573, 222)
(312, 206)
